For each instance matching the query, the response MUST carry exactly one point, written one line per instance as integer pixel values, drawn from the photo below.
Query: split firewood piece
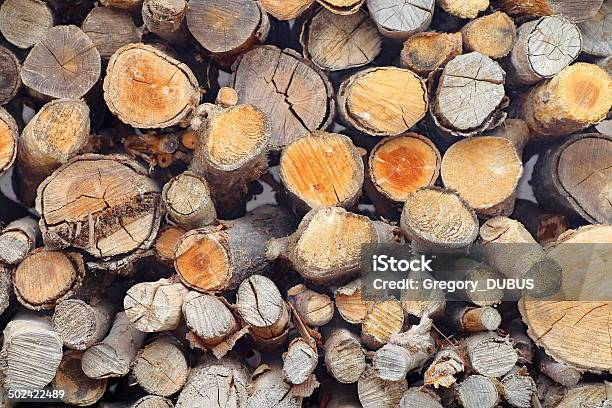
(215, 382)
(525, 348)
(286, 9)
(147, 88)
(166, 19)
(267, 389)
(57, 133)
(166, 241)
(543, 48)
(492, 35)
(315, 309)
(382, 101)
(8, 140)
(261, 306)
(499, 168)
(398, 20)
(155, 306)
(6, 288)
(511, 250)
(79, 389)
(244, 24)
(25, 23)
(581, 316)
(465, 318)
(375, 392)
(188, 201)
(400, 165)
(428, 51)
(576, 98)
(469, 95)
(419, 398)
(596, 31)
(344, 357)
(232, 151)
(10, 75)
(423, 223)
(351, 305)
(110, 29)
(113, 190)
(587, 395)
(17, 239)
(583, 191)
(463, 8)
(342, 7)
(209, 318)
(152, 401)
(47, 277)
(405, 352)
(64, 64)
(81, 325)
(300, 361)
(322, 169)
(161, 367)
(561, 373)
(384, 319)
(295, 94)
(31, 352)
(219, 258)
(446, 365)
(114, 355)
(122, 4)
(478, 391)
(326, 246)
(518, 388)
(490, 354)
(575, 10)
(336, 42)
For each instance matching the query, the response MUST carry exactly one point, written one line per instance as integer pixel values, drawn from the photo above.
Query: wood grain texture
(166, 19)
(161, 368)
(492, 35)
(342, 7)
(478, 391)
(110, 29)
(286, 9)
(81, 325)
(376, 393)
(10, 75)
(344, 356)
(463, 8)
(597, 31)
(25, 23)
(188, 201)
(209, 318)
(399, 19)
(575, 10)
(17, 239)
(79, 389)
(8, 140)
(425, 52)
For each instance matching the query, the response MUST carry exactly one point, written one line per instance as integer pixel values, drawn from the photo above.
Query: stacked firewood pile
(187, 187)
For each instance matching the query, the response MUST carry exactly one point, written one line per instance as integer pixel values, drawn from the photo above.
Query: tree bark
(114, 190)
(219, 258)
(315, 309)
(561, 373)
(166, 19)
(166, 89)
(337, 42)
(399, 20)
(79, 389)
(25, 23)
(113, 357)
(295, 94)
(344, 357)
(575, 10)
(384, 319)
(57, 133)
(8, 140)
(575, 190)
(188, 201)
(377, 393)
(428, 51)
(382, 101)
(322, 169)
(595, 32)
(478, 391)
(557, 107)
(490, 355)
(17, 239)
(10, 75)
(81, 325)
(110, 29)
(492, 35)
(286, 9)
(161, 367)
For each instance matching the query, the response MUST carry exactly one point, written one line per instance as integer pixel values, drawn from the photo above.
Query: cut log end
(10, 71)
(166, 19)
(398, 20)
(377, 393)
(161, 368)
(315, 309)
(81, 325)
(350, 303)
(78, 389)
(478, 391)
(596, 30)
(286, 9)
(490, 355)
(209, 318)
(110, 29)
(464, 8)
(25, 23)
(344, 356)
(342, 7)
(188, 202)
(425, 52)
(166, 241)
(492, 35)
(383, 320)
(8, 140)
(299, 361)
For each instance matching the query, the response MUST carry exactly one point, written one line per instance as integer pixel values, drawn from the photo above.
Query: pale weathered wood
(561, 373)
(416, 398)
(492, 35)
(155, 306)
(463, 8)
(8, 140)
(336, 42)
(342, 7)
(294, 93)
(315, 309)
(209, 318)
(382, 101)
(31, 352)
(561, 185)
(344, 356)
(575, 10)
(25, 22)
(268, 389)
(152, 401)
(188, 201)
(465, 318)
(17, 239)
(596, 32)
(64, 64)
(161, 367)
(384, 319)
(377, 393)
(586, 395)
(79, 389)
(478, 391)
(286, 9)
(81, 325)
(166, 19)
(58, 132)
(518, 388)
(352, 307)
(10, 75)
(322, 169)
(425, 52)
(299, 361)
(114, 355)
(543, 48)
(110, 29)
(424, 225)
(116, 191)
(447, 364)
(146, 88)
(399, 19)
(6, 288)
(490, 354)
